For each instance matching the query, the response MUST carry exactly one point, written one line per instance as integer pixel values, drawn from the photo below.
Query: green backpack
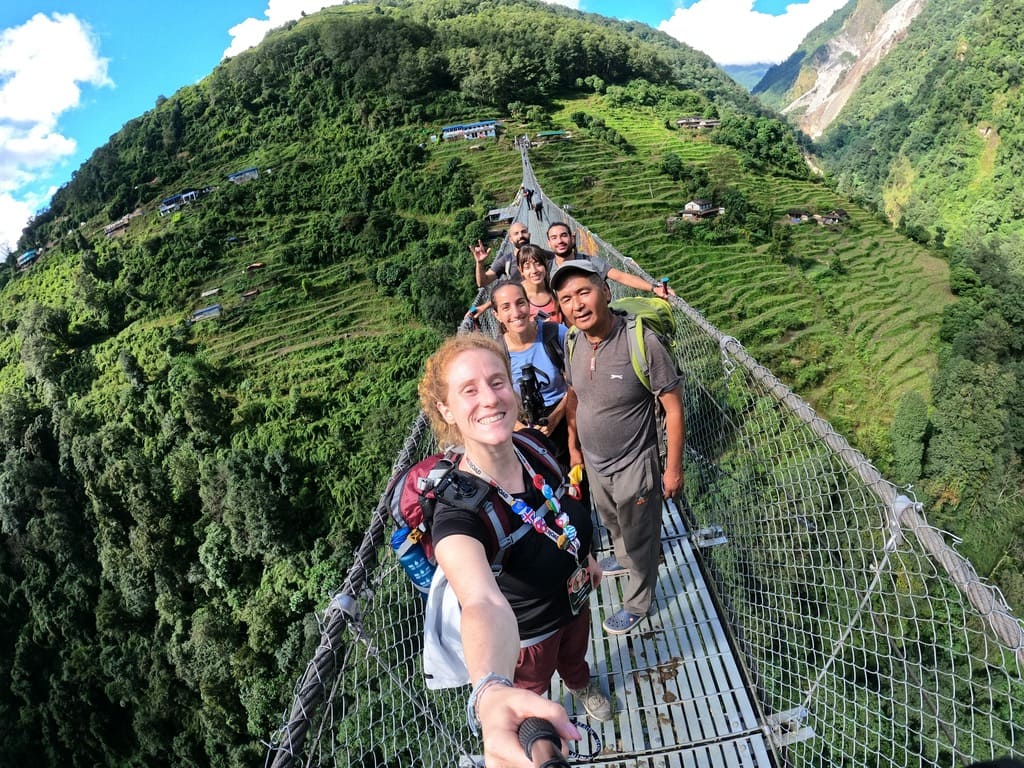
(641, 312)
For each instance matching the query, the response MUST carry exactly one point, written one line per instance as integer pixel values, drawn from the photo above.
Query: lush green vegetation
(941, 116)
(177, 499)
(933, 139)
(843, 313)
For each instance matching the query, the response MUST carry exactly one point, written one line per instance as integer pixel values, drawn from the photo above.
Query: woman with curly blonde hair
(530, 619)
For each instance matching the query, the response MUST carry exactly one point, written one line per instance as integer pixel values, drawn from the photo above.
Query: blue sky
(72, 72)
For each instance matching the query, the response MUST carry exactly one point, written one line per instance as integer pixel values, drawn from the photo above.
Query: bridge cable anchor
(727, 364)
(786, 728)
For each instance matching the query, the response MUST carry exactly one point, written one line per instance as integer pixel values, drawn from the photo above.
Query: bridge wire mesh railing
(867, 639)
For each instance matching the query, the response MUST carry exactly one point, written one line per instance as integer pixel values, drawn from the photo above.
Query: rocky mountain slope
(849, 57)
(815, 83)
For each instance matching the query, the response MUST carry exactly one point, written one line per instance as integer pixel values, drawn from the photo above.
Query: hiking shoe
(612, 567)
(621, 622)
(598, 705)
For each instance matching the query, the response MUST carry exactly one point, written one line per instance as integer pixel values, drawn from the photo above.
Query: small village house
(483, 129)
(698, 209)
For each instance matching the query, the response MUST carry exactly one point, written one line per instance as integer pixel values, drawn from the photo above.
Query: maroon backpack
(413, 495)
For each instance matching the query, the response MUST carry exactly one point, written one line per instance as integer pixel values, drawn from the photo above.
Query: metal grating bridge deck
(678, 694)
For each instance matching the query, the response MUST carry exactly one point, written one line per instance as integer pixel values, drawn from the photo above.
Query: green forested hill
(933, 138)
(176, 500)
(942, 117)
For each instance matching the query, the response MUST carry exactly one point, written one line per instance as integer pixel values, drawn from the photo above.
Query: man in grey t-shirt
(611, 418)
(504, 265)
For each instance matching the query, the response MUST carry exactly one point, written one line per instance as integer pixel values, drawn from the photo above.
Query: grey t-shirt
(616, 414)
(505, 266)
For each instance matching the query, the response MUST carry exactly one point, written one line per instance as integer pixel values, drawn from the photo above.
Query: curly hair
(433, 387)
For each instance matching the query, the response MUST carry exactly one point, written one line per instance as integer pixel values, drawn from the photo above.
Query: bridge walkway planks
(678, 695)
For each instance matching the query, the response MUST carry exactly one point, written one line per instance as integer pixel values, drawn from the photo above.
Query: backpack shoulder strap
(538, 451)
(465, 491)
(426, 485)
(552, 345)
(462, 490)
(638, 349)
(570, 344)
(504, 540)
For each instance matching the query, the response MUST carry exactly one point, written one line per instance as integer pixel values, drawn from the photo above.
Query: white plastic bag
(444, 662)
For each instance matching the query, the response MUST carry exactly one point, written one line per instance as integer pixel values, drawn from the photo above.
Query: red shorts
(564, 652)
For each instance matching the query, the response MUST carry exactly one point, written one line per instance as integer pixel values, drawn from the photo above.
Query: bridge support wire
(322, 669)
(904, 514)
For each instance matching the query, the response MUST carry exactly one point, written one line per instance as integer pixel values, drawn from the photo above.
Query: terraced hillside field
(849, 319)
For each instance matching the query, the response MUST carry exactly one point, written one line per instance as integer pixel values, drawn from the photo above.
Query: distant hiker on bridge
(538, 209)
(534, 265)
(504, 265)
(532, 617)
(562, 243)
(612, 417)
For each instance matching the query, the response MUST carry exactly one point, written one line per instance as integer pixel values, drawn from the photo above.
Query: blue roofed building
(482, 129)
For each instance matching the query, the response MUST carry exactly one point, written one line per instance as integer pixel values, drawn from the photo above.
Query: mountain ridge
(816, 93)
(836, 80)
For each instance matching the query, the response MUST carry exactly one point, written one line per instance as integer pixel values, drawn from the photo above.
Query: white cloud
(14, 215)
(732, 32)
(27, 148)
(250, 32)
(43, 62)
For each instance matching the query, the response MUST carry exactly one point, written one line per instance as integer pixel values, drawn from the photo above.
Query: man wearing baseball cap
(613, 431)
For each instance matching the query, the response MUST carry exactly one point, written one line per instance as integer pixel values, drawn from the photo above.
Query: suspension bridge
(806, 612)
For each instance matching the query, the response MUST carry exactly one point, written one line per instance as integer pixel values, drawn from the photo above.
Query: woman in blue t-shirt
(535, 351)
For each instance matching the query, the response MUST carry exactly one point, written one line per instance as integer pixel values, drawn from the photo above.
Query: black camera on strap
(532, 400)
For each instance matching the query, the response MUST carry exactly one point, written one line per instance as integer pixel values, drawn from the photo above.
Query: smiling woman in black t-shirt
(533, 618)
(534, 572)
